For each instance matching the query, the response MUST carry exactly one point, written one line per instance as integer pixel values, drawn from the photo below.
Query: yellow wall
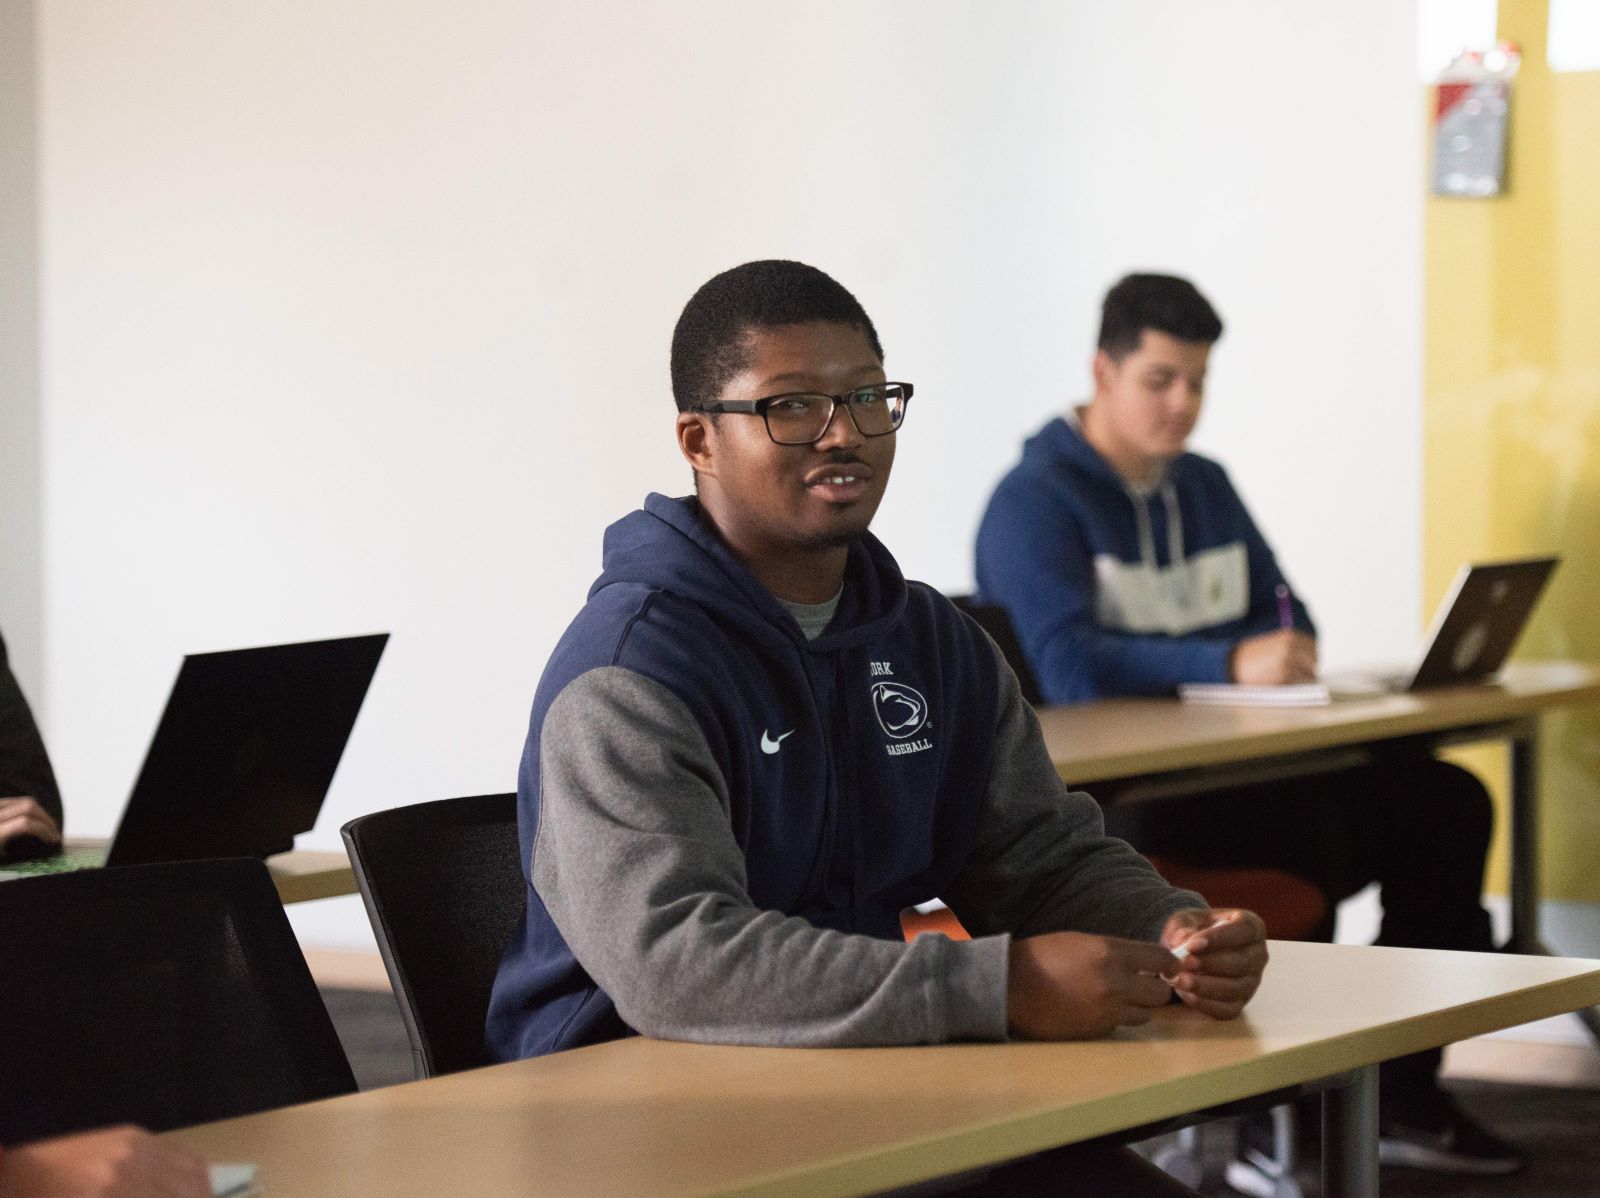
(1512, 410)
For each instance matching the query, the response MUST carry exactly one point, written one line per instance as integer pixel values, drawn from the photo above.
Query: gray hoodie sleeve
(1042, 861)
(636, 861)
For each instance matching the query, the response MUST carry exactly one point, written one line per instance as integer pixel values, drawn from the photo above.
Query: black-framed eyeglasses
(803, 417)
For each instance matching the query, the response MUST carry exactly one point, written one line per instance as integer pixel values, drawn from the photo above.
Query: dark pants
(1416, 826)
(1093, 1170)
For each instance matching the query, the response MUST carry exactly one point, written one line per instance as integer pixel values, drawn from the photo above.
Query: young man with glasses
(1129, 566)
(758, 743)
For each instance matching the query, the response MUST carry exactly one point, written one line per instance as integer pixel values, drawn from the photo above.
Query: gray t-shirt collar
(813, 618)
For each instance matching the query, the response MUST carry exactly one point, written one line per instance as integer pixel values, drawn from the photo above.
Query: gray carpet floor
(1558, 1127)
(374, 1038)
(1555, 1126)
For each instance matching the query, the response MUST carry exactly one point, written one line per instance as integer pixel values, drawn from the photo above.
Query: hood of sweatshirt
(669, 545)
(1061, 444)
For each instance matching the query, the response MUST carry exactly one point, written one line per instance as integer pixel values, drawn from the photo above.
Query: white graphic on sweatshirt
(770, 746)
(1212, 587)
(901, 710)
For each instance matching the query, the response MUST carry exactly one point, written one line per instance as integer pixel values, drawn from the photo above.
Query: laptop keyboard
(58, 863)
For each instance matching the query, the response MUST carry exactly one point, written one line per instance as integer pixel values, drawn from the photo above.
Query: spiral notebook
(1228, 694)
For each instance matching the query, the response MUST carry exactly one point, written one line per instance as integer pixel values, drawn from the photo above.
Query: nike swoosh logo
(770, 746)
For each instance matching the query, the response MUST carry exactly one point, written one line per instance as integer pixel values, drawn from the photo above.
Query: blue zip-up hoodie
(871, 804)
(1118, 591)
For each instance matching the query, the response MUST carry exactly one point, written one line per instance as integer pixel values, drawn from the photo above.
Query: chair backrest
(443, 888)
(166, 995)
(993, 619)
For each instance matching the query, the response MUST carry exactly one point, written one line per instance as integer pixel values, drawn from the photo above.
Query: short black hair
(1165, 303)
(708, 344)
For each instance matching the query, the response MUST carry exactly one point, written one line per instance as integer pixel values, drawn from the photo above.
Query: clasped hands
(1073, 985)
(22, 816)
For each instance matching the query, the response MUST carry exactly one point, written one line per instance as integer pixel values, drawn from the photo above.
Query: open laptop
(242, 758)
(1474, 629)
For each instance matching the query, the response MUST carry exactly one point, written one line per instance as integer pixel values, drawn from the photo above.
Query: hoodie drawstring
(1174, 523)
(1175, 579)
(1147, 536)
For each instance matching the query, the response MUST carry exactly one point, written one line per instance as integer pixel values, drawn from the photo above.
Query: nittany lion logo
(901, 710)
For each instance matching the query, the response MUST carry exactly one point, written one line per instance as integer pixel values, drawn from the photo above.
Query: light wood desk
(1163, 746)
(649, 1117)
(300, 875)
(304, 874)
(1129, 738)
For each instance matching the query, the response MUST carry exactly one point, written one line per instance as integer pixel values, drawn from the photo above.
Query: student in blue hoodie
(1128, 566)
(757, 743)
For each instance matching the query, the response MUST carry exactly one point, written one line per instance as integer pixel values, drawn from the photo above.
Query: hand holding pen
(1277, 658)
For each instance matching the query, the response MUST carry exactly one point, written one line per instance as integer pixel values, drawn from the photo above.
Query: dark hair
(708, 344)
(1165, 303)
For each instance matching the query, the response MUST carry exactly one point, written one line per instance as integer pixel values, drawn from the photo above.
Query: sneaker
(1439, 1135)
(1255, 1177)
(1256, 1168)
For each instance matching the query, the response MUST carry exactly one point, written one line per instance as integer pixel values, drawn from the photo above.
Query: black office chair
(994, 620)
(165, 995)
(443, 890)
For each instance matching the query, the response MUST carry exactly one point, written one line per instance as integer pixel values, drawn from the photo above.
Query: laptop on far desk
(1473, 632)
(242, 757)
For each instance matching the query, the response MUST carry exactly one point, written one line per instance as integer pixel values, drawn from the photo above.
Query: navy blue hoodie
(1114, 591)
(885, 722)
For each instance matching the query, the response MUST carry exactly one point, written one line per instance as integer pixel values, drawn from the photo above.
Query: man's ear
(695, 436)
(1104, 369)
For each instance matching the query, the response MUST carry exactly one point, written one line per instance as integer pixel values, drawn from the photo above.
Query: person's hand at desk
(116, 1162)
(23, 822)
(1224, 954)
(1075, 986)
(1279, 658)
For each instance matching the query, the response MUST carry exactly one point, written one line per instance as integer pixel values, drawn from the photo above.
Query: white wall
(356, 315)
(21, 568)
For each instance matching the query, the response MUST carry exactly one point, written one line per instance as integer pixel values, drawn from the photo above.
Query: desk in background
(303, 874)
(299, 875)
(643, 1116)
(1160, 746)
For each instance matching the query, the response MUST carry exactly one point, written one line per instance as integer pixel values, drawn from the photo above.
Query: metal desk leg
(1350, 1137)
(1591, 1020)
(1525, 854)
(1524, 836)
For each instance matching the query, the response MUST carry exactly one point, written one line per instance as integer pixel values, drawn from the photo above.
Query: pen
(1285, 611)
(1182, 950)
